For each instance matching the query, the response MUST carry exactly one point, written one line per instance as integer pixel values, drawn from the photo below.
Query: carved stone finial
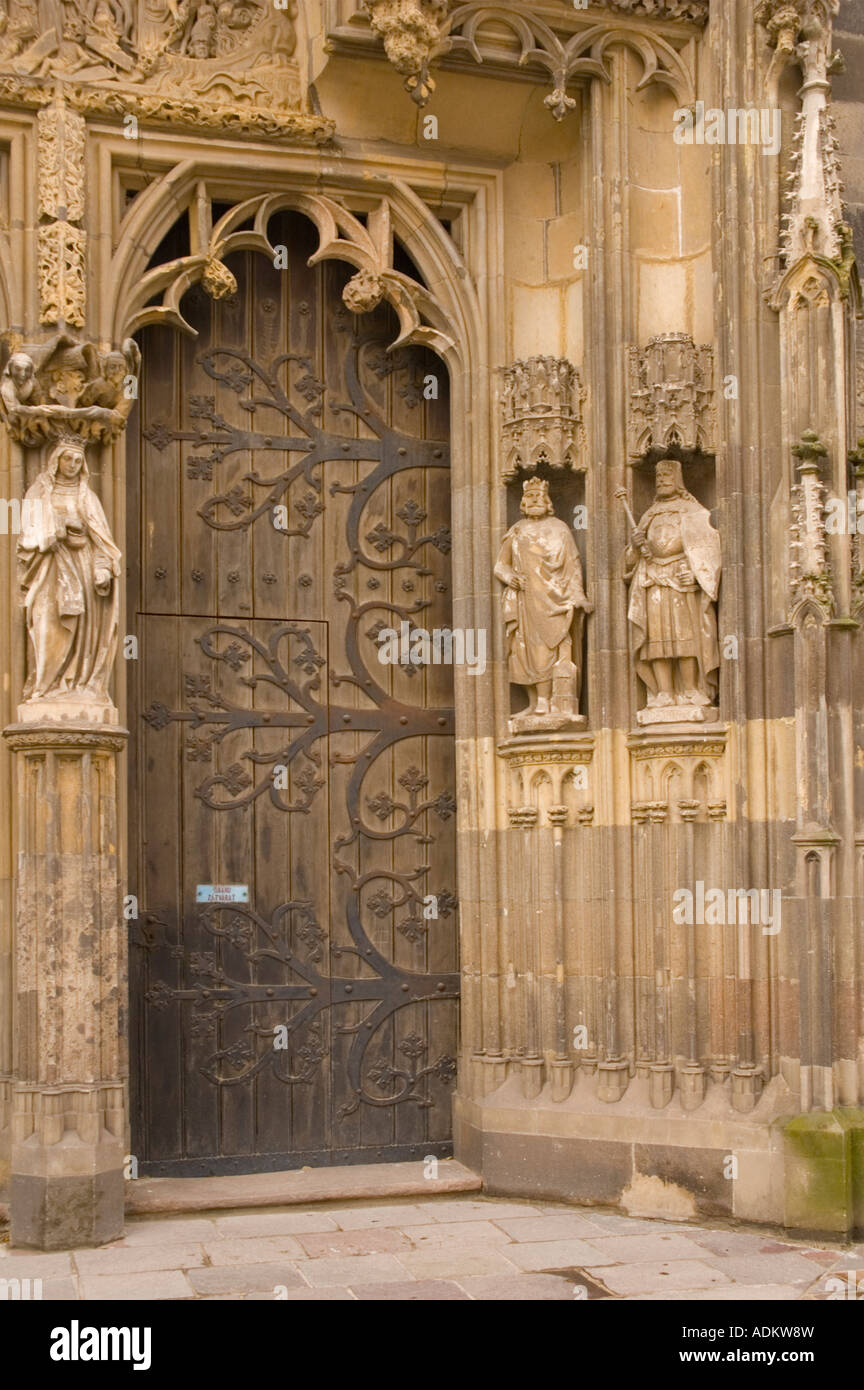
(541, 416)
(809, 568)
(801, 31)
(671, 400)
(217, 279)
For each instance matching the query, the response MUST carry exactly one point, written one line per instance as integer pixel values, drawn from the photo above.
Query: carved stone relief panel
(234, 64)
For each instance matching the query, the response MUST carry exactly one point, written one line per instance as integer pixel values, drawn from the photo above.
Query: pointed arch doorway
(293, 970)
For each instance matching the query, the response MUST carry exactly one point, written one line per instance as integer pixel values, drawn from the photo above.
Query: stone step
(350, 1183)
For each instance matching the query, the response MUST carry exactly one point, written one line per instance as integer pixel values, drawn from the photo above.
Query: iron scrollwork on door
(287, 660)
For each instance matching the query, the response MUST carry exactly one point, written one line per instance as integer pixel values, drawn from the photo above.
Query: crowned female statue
(544, 608)
(68, 571)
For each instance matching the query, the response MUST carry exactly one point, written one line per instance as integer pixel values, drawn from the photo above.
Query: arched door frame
(453, 311)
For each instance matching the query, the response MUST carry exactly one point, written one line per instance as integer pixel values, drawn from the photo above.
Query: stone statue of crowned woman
(69, 567)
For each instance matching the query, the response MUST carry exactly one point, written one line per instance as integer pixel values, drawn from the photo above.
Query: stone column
(68, 1139)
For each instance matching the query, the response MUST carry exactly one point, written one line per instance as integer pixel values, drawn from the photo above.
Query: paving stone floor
(439, 1248)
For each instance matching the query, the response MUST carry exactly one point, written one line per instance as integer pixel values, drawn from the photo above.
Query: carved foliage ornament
(671, 396)
(61, 162)
(61, 246)
(410, 30)
(541, 415)
(61, 249)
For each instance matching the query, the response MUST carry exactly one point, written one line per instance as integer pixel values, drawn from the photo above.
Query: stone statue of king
(672, 565)
(544, 608)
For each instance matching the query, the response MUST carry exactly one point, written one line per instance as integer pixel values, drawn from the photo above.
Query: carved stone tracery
(416, 33)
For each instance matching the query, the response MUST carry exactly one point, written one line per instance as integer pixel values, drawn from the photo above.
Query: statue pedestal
(678, 714)
(546, 723)
(68, 709)
(69, 1064)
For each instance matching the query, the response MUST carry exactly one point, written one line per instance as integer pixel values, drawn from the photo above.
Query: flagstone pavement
(438, 1248)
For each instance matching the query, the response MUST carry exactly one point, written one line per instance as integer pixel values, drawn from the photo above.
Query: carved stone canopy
(671, 396)
(541, 416)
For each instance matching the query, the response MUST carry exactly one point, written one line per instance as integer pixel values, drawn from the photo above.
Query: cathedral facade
(432, 449)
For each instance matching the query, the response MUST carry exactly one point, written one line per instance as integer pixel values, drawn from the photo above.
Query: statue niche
(544, 612)
(69, 568)
(672, 565)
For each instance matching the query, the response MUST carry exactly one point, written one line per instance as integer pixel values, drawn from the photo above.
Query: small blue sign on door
(222, 893)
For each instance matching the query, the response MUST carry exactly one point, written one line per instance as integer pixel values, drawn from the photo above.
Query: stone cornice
(37, 738)
(189, 113)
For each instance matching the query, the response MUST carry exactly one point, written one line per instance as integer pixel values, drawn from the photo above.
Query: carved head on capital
(536, 501)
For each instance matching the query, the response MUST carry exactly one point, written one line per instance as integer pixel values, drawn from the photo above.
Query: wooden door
(292, 800)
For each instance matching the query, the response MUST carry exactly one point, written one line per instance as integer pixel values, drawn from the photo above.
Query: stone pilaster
(68, 1127)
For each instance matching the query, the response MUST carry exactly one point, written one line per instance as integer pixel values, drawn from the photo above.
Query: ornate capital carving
(65, 388)
(671, 396)
(541, 416)
(233, 66)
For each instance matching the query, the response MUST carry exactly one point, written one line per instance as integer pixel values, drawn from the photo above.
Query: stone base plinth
(69, 1059)
(824, 1173)
(68, 1195)
(805, 1173)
